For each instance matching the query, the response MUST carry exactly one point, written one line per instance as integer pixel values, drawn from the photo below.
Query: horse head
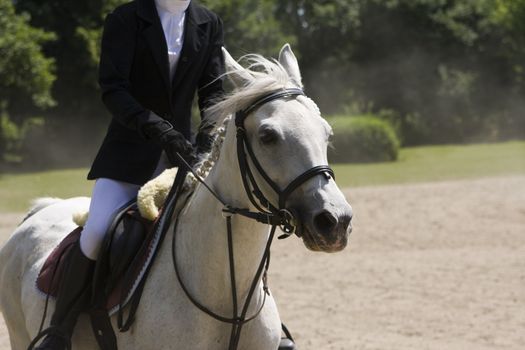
(287, 136)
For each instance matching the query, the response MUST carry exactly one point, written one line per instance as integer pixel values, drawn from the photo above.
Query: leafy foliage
(78, 28)
(24, 71)
(446, 70)
(250, 26)
(13, 136)
(452, 70)
(26, 77)
(362, 139)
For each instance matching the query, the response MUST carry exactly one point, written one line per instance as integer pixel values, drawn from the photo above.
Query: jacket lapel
(154, 35)
(193, 39)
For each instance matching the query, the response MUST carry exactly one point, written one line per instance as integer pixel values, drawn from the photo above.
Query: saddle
(121, 271)
(124, 255)
(126, 252)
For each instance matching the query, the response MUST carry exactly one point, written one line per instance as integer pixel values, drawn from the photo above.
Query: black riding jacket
(134, 78)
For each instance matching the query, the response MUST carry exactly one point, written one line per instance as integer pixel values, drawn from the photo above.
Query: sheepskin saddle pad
(125, 254)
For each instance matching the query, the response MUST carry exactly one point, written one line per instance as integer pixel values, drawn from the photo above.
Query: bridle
(281, 214)
(267, 213)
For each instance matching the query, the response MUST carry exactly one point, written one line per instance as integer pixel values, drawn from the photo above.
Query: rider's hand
(170, 140)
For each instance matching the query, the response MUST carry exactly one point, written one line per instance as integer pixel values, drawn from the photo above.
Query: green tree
(77, 26)
(509, 17)
(26, 77)
(76, 123)
(250, 26)
(440, 70)
(447, 70)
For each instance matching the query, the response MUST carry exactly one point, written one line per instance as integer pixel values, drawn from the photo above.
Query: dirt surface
(429, 266)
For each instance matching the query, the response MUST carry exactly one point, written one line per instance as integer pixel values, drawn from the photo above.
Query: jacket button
(184, 59)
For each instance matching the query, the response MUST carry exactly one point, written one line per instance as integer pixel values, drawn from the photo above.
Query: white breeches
(107, 198)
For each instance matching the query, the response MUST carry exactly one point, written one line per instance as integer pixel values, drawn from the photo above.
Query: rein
(267, 213)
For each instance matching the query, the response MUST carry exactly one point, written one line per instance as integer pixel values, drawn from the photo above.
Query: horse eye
(268, 136)
(330, 137)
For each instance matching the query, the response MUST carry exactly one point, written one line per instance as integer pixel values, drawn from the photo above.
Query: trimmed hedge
(362, 139)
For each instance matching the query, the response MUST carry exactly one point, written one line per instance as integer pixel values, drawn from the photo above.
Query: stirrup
(287, 342)
(52, 331)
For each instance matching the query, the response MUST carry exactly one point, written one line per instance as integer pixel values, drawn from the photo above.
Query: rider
(155, 55)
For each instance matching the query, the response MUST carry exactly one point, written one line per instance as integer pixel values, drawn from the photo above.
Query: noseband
(279, 214)
(266, 213)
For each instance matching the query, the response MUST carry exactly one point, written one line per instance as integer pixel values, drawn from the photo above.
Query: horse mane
(269, 75)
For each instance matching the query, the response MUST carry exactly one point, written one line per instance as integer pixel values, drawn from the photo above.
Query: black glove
(172, 141)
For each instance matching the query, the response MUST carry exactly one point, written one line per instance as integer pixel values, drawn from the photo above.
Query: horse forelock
(268, 75)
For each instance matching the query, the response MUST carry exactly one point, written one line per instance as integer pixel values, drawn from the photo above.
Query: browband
(242, 114)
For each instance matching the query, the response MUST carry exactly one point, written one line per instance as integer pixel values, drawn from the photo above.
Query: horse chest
(168, 320)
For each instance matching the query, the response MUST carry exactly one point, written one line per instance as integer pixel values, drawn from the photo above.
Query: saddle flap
(48, 280)
(127, 238)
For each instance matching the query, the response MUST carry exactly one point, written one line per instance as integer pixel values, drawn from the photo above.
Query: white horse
(288, 136)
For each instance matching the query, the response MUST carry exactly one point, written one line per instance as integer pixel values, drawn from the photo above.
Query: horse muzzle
(325, 230)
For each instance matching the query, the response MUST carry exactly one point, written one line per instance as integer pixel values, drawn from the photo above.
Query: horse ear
(235, 72)
(288, 60)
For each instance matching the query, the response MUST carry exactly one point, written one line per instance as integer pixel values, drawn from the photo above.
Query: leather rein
(267, 213)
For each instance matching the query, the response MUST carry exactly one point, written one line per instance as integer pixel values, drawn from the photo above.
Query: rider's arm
(116, 59)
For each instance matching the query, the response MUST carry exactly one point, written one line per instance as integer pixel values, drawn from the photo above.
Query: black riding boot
(73, 297)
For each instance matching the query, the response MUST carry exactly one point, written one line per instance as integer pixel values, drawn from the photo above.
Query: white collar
(173, 6)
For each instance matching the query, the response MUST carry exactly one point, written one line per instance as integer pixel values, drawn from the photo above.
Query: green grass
(418, 164)
(437, 163)
(17, 190)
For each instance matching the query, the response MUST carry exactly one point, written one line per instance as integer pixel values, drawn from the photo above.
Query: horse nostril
(325, 222)
(345, 222)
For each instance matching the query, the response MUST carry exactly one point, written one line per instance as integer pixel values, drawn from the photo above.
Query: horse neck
(202, 244)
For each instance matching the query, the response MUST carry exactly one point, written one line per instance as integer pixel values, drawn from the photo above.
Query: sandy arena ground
(429, 266)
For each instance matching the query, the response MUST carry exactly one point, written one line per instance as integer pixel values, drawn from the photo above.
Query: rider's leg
(74, 294)
(108, 196)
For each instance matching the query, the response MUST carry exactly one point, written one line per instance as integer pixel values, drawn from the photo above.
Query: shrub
(13, 136)
(362, 139)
